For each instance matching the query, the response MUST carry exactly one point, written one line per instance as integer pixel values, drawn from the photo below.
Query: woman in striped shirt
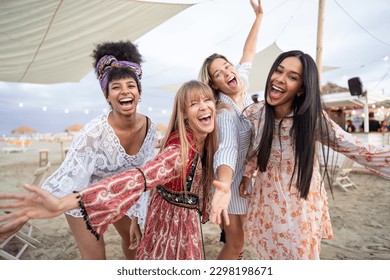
(230, 85)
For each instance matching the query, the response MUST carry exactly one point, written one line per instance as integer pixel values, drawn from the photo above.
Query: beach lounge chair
(342, 180)
(24, 235)
(40, 174)
(25, 238)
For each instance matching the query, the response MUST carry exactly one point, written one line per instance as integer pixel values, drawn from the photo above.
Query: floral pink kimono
(172, 228)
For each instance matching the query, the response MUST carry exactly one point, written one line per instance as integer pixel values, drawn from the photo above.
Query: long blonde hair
(192, 90)
(205, 77)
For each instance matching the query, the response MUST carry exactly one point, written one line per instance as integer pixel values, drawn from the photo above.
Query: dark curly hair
(122, 50)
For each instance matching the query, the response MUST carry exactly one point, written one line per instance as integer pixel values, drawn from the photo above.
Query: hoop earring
(139, 99)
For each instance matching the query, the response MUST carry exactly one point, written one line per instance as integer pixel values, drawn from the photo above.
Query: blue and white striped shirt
(234, 139)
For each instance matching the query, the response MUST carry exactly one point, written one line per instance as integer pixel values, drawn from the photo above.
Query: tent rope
(40, 45)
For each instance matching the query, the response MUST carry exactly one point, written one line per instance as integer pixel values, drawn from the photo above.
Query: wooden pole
(320, 29)
(366, 114)
(320, 33)
(62, 151)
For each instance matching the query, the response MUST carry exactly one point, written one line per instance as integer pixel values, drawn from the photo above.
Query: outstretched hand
(256, 5)
(220, 202)
(34, 204)
(10, 232)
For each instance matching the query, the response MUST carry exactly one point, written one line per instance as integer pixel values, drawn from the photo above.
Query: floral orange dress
(173, 223)
(280, 224)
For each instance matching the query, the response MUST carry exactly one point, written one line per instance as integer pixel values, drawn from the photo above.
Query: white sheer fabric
(96, 153)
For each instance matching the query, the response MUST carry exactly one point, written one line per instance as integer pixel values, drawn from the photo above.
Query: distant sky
(356, 39)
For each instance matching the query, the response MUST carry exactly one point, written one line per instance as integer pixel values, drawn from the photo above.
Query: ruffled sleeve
(243, 71)
(375, 159)
(107, 201)
(78, 166)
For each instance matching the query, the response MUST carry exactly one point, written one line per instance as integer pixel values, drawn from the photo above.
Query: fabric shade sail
(262, 64)
(51, 41)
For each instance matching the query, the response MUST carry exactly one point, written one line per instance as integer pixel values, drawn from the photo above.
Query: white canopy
(262, 64)
(51, 41)
(345, 99)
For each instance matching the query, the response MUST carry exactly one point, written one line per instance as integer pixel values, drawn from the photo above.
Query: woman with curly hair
(109, 144)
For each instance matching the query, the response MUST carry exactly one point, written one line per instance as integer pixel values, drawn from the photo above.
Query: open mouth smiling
(126, 101)
(205, 118)
(232, 81)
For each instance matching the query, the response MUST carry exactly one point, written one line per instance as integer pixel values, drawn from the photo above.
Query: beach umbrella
(23, 129)
(161, 130)
(74, 128)
(161, 127)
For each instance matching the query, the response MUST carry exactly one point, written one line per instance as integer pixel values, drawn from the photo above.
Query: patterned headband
(107, 62)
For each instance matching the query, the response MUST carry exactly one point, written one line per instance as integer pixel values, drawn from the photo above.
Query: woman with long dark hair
(288, 210)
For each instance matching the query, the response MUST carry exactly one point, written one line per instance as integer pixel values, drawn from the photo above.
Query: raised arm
(251, 41)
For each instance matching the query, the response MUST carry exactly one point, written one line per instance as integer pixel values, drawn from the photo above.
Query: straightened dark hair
(308, 124)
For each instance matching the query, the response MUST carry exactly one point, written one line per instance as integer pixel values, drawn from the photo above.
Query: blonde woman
(180, 178)
(230, 86)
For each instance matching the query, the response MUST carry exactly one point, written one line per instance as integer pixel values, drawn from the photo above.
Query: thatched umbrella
(23, 129)
(161, 127)
(74, 128)
(161, 130)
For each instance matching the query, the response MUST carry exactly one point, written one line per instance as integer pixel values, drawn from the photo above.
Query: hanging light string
(289, 20)
(382, 79)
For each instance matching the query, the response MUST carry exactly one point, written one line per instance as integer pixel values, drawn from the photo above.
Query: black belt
(187, 200)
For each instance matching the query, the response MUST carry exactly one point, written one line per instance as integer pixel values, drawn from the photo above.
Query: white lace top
(96, 153)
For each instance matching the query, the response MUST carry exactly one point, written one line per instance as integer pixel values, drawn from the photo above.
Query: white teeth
(205, 116)
(230, 79)
(126, 100)
(277, 88)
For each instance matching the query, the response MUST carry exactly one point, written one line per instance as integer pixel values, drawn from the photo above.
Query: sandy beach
(360, 217)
